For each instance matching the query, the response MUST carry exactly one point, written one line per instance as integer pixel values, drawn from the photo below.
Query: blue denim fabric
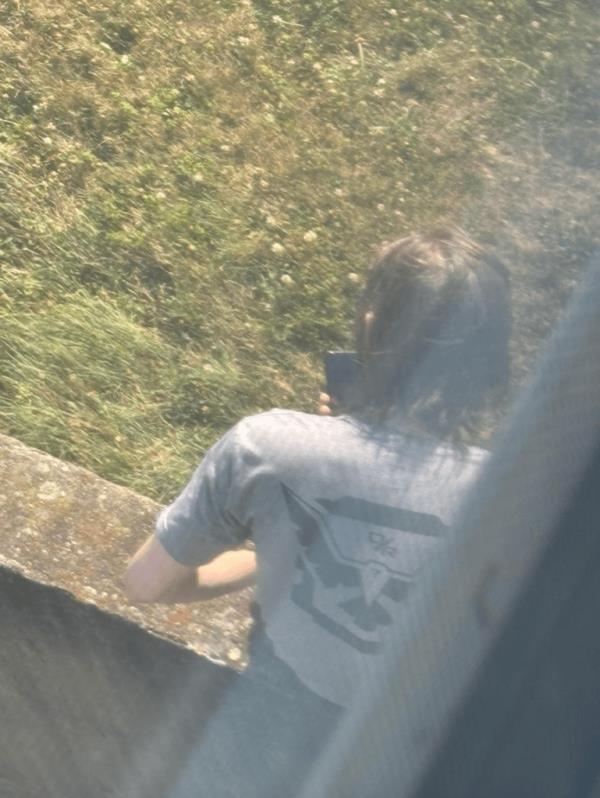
(266, 734)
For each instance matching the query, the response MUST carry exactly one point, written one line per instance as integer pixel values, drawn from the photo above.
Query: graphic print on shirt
(356, 562)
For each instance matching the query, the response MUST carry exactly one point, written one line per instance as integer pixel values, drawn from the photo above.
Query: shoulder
(282, 429)
(288, 441)
(279, 418)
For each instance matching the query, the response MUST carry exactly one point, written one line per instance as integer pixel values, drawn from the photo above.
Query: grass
(189, 191)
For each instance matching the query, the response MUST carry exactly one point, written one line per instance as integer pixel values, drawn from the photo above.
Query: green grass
(164, 164)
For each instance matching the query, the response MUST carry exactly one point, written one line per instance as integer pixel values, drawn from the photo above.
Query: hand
(325, 403)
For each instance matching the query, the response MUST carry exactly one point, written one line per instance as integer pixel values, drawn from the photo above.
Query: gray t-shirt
(344, 517)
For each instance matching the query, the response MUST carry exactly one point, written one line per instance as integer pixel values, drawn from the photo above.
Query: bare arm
(153, 576)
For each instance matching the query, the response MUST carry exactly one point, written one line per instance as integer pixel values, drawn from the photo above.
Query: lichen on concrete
(64, 526)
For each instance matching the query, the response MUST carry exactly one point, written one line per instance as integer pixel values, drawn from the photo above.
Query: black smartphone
(341, 375)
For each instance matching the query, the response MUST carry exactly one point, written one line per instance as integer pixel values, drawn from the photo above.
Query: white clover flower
(339, 192)
(271, 221)
(47, 140)
(277, 248)
(160, 195)
(243, 41)
(381, 206)
(310, 236)
(353, 277)
(535, 24)
(286, 279)
(393, 12)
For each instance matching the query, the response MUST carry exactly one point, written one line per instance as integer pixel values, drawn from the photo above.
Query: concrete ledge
(98, 698)
(63, 526)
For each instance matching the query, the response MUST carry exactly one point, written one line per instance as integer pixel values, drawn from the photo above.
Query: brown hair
(432, 329)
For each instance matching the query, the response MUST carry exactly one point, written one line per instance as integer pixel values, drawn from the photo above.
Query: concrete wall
(92, 705)
(96, 698)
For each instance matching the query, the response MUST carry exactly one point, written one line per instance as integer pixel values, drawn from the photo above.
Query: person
(344, 510)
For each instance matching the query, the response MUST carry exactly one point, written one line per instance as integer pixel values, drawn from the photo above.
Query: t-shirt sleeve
(204, 520)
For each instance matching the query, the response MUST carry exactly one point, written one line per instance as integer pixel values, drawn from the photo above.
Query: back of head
(433, 328)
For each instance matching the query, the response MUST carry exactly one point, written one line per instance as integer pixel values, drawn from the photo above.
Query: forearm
(230, 571)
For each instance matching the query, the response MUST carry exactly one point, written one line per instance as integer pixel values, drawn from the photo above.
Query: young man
(346, 511)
